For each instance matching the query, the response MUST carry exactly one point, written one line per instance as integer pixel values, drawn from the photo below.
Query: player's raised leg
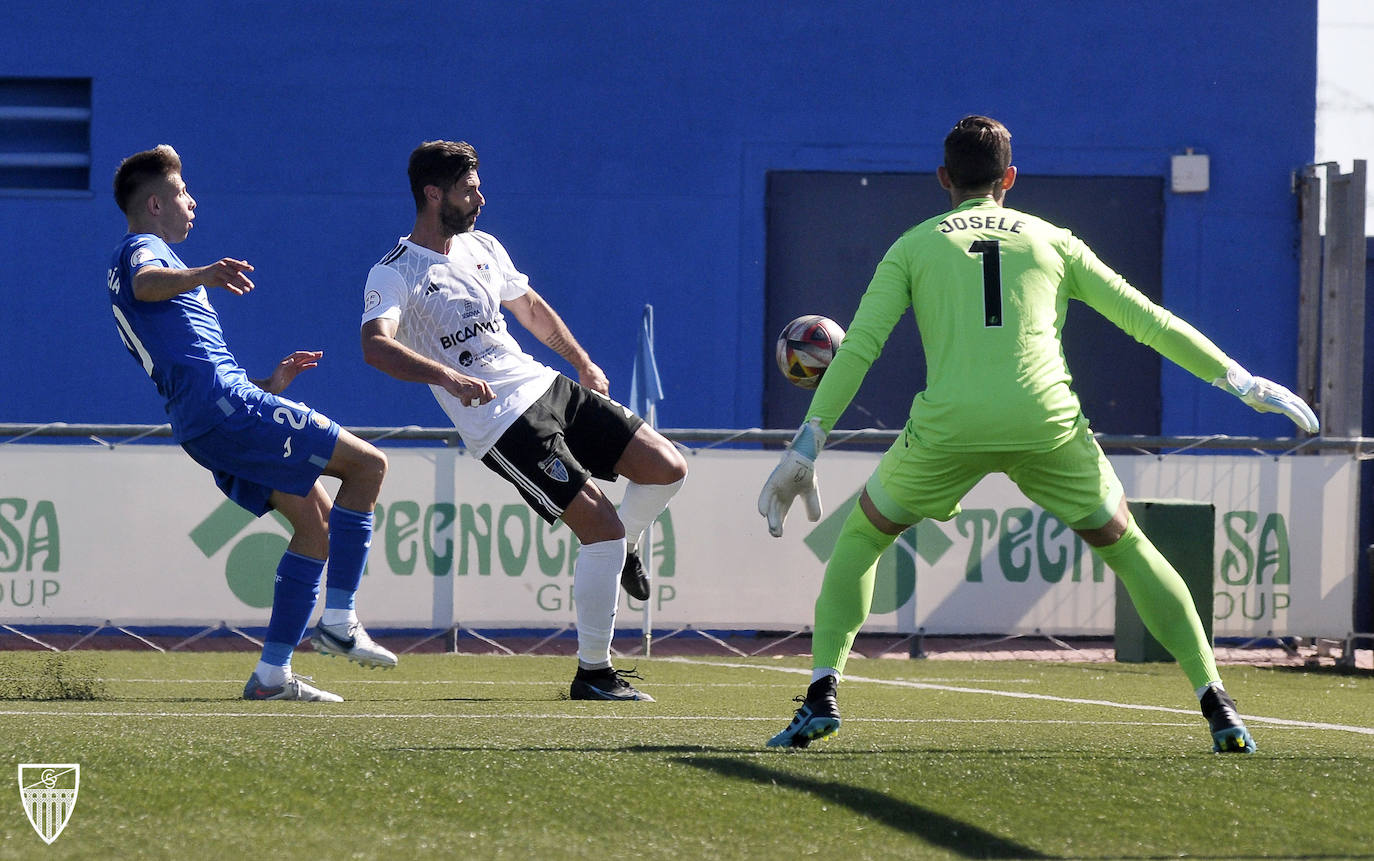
(361, 467)
(656, 471)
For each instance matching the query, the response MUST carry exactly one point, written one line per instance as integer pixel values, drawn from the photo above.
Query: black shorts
(566, 437)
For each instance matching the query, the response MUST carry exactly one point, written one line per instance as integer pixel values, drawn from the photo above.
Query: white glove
(795, 475)
(1267, 396)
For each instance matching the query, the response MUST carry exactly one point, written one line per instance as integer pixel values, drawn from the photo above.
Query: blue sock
(350, 537)
(293, 600)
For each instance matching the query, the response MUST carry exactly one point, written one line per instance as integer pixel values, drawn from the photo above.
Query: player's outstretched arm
(156, 283)
(1176, 340)
(795, 475)
(382, 351)
(1267, 396)
(287, 369)
(538, 316)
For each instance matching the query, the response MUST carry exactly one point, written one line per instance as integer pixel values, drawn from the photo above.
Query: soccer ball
(806, 347)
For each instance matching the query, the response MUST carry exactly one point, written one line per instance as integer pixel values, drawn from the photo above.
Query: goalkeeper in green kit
(989, 287)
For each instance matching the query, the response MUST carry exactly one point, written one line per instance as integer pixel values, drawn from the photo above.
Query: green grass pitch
(468, 756)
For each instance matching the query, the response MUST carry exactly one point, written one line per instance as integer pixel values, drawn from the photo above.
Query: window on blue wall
(45, 135)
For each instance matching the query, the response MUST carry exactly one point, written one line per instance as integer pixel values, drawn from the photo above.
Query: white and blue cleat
(818, 717)
(1229, 734)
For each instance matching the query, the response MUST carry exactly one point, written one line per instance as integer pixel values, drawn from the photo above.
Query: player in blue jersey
(266, 452)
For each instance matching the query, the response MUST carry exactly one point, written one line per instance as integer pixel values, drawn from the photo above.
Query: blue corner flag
(646, 389)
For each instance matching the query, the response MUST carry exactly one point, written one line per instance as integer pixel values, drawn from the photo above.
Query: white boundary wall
(139, 534)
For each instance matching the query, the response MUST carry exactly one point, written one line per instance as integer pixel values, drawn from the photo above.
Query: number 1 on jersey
(991, 251)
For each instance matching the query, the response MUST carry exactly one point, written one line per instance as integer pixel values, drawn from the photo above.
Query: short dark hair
(141, 168)
(440, 163)
(977, 152)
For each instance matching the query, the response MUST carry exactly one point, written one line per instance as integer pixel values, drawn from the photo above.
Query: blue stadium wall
(624, 153)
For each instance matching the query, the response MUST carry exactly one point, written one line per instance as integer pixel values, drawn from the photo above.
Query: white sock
(821, 672)
(271, 675)
(335, 618)
(643, 503)
(1202, 690)
(596, 589)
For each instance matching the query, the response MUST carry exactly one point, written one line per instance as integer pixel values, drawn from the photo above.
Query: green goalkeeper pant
(1158, 592)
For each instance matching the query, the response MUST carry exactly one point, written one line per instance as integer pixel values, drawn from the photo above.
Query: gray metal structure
(1331, 312)
(1331, 302)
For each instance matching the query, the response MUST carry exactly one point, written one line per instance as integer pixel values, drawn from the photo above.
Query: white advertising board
(139, 535)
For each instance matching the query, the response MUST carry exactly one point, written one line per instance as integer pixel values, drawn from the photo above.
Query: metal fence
(111, 435)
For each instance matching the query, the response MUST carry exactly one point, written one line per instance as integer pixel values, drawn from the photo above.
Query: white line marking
(341, 682)
(901, 683)
(554, 682)
(546, 716)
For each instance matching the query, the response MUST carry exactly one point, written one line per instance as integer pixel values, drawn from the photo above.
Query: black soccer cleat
(632, 577)
(606, 684)
(818, 717)
(1229, 734)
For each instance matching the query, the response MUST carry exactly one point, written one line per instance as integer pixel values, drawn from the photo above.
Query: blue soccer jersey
(177, 341)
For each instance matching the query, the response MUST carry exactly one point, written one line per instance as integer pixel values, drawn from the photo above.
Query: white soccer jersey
(448, 308)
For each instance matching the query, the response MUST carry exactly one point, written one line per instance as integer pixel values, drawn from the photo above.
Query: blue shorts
(269, 444)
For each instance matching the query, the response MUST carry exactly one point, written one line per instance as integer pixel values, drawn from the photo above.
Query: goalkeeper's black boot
(1229, 734)
(818, 717)
(632, 577)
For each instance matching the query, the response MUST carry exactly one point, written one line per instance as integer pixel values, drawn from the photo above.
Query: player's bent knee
(651, 459)
(1103, 536)
(379, 462)
(592, 517)
(1108, 533)
(359, 461)
(877, 519)
(675, 468)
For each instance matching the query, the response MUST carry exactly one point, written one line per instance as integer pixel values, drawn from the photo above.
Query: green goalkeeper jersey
(990, 287)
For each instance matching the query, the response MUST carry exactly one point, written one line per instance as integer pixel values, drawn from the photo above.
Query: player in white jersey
(434, 311)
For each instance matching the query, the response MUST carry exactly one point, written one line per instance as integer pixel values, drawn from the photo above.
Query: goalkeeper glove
(1267, 396)
(795, 475)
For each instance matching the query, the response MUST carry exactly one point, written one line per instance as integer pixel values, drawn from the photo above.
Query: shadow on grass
(580, 748)
(937, 829)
